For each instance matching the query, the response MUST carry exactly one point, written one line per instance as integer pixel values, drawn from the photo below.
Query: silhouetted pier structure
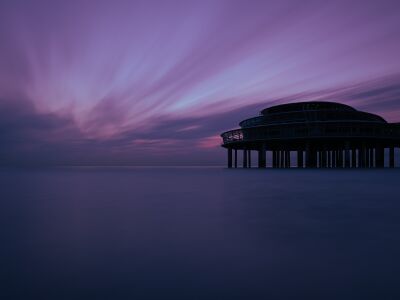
(318, 134)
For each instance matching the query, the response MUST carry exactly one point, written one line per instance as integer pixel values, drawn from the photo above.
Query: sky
(156, 82)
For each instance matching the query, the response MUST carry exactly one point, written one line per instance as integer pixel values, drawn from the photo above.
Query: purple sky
(155, 82)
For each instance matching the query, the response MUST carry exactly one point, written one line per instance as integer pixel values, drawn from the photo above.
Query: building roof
(306, 106)
(306, 112)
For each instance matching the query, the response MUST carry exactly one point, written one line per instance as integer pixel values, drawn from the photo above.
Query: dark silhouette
(324, 135)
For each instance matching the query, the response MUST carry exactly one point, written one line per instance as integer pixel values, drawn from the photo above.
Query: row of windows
(351, 131)
(316, 116)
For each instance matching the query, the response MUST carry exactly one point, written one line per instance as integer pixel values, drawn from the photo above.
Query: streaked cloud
(157, 81)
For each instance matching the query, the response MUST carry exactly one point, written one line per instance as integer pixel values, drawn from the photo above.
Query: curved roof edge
(306, 105)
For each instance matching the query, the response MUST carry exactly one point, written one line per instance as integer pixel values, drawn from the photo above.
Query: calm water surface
(199, 233)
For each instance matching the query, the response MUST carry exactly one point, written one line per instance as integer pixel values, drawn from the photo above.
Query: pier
(314, 135)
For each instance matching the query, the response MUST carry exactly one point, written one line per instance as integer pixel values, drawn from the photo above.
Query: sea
(199, 233)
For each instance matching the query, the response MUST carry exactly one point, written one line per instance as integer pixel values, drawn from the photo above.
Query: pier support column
(282, 159)
(278, 158)
(364, 156)
(336, 152)
(287, 159)
(379, 157)
(329, 161)
(244, 158)
(361, 157)
(324, 159)
(262, 161)
(340, 155)
(311, 157)
(249, 159)
(371, 158)
(308, 156)
(391, 157)
(353, 158)
(367, 162)
(334, 159)
(230, 158)
(347, 155)
(274, 159)
(236, 160)
(300, 163)
(319, 154)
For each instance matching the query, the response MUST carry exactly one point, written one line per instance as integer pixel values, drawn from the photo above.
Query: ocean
(199, 233)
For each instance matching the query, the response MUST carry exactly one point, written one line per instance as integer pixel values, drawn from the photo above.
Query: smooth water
(199, 233)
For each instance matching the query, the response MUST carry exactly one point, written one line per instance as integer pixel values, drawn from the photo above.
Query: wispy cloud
(154, 81)
(30, 136)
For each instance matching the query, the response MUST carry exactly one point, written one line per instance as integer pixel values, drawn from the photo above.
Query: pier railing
(317, 130)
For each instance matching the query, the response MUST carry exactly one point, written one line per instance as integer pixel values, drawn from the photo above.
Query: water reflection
(199, 233)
